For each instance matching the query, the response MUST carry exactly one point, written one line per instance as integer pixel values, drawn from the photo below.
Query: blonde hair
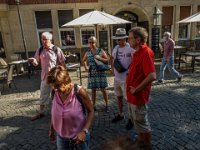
(93, 39)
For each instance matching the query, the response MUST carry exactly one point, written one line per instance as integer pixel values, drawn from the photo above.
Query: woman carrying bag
(96, 79)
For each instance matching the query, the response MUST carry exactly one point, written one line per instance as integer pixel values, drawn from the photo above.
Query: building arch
(134, 13)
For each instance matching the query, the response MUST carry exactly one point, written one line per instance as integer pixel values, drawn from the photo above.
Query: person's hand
(97, 57)
(51, 135)
(33, 61)
(80, 137)
(132, 90)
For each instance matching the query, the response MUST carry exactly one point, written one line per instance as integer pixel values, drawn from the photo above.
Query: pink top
(67, 117)
(48, 59)
(168, 48)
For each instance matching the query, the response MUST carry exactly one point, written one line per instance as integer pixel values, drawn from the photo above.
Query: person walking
(48, 56)
(123, 53)
(68, 117)
(140, 76)
(168, 58)
(96, 79)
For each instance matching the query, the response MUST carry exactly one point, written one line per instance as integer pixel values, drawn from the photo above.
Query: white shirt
(125, 55)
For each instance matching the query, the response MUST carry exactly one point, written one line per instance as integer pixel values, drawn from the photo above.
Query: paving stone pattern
(174, 114)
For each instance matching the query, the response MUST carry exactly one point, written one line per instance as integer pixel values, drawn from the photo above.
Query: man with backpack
(48, 56)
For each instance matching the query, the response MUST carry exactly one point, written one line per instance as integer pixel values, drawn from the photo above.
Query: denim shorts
(68, 144)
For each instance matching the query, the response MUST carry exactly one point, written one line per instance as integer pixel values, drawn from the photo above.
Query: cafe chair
(9, 80)
(72, 63)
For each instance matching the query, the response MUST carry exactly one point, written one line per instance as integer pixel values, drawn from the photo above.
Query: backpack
(79, 98)
(55, 49)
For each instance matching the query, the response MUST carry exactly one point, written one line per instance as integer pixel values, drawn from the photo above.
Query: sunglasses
(91, 42)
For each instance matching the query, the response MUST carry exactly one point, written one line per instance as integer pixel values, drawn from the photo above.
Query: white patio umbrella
(95, 18)
(193, 18)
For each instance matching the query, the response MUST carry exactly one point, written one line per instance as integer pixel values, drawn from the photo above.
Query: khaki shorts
(138, 115)
(45, 91)
(120, 88)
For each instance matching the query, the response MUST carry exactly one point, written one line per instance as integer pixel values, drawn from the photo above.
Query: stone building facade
(38, 16)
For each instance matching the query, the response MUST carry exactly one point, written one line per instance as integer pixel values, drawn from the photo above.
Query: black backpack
(79, 98)
(55, 49)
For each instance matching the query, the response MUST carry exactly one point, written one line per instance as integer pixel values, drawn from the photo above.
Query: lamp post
(157, 18)
(21, 27)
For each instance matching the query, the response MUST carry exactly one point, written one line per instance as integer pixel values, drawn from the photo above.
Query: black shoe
(179, 78)
(129, 125)
(117, 118)
(160, 81)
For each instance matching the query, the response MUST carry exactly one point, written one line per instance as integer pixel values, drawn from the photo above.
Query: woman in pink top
(68, 119)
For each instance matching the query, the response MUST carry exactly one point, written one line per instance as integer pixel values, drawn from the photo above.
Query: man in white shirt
(123, 53)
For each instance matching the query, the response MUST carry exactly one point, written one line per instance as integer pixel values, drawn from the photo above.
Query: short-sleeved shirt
(67, 117)
(168, 48)
(125, 55)
(141, 66)
(49, 59)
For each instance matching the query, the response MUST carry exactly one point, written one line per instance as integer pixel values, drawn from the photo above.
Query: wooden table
(75, 66)
(193, 54)
(178, 50)
(18, 63)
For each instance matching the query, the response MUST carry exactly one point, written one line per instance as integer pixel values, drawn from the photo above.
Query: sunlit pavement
(174, 114)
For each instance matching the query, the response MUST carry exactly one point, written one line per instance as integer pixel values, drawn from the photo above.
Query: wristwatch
(86, 130)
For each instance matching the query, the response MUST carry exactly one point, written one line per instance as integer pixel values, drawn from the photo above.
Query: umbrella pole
(80, 67)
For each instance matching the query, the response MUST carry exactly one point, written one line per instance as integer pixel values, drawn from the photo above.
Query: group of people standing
(68, 120)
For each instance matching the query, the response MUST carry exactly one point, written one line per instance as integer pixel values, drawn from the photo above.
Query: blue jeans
(68, 144)
(170, 66)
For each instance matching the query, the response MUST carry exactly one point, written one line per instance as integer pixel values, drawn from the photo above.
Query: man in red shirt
(140, 76)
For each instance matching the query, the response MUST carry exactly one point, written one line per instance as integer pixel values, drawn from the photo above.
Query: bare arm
(149, 79)
(111, 63)
(103, 57)
(90, 114)
(84, 61)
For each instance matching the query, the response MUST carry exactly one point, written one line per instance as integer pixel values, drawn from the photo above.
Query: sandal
(38, 116)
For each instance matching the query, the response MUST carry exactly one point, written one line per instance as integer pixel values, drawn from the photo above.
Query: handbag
(101, 66)
(117, 64)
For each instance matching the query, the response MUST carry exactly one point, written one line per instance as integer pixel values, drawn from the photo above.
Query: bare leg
(94, 96)
(120, 105)
(105, 96)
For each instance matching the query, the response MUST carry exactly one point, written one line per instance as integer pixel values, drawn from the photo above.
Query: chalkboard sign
(103, 40)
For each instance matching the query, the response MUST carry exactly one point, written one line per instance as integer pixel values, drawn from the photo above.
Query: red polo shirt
(142, 64)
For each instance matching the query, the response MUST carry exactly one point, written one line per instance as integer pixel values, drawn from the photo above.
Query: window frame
(38, 31)
(85, 29)
(60, 38)
(188, 32)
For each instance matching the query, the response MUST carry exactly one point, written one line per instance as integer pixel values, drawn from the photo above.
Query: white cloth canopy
(96, 18)
(193, 18)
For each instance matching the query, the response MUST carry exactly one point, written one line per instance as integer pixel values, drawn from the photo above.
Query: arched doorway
(132, 17)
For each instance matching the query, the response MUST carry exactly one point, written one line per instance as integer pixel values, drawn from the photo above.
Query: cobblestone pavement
(174, 114)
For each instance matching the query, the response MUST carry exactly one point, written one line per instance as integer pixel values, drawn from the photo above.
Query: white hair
(168, 34)
(48, 35)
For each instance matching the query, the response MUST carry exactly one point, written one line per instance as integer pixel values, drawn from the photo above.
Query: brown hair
(139, 32)
(58, 75)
